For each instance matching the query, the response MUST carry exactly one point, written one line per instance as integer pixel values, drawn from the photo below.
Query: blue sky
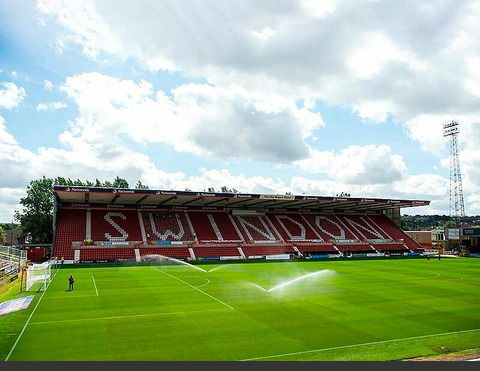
(309, 97)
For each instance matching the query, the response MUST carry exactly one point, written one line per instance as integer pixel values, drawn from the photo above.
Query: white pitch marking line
(94, 284)
(358, 345)
(193, 287)
(123, 317)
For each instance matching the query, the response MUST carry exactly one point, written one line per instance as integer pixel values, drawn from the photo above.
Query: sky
(308, 97)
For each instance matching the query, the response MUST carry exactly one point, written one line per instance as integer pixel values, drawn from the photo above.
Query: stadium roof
(146, 198)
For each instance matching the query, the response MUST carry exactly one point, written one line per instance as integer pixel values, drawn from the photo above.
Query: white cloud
(52, 106)
(365, 165)
(362, 55)
(11, 95)
(9, 202)
(48, 85)
(196, 118)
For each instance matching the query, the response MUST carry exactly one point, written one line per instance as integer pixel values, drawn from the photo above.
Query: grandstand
(111, 225)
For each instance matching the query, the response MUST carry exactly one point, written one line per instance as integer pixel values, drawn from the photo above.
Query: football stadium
(197, 276)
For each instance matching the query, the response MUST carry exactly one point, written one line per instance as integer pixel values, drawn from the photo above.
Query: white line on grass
(67, 297)
(123, 317)
(193, 287)
(94, 284)
(358, 345)
(28, 320)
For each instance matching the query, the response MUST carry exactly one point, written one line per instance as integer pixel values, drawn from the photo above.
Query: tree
(139, 185)
(343, 194)
(449, 224)
(37, 217)
(120, 183)
(404, 223)
(3, 235)
(225, 189)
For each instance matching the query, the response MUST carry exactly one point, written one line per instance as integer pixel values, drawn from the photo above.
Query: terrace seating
(177, 252)
(115, 226)
(390, 246)
(262, 250)
(357, 247)
(203, 228)
(293, 227)
(394, 232)
(362, 227)
(256, 228)
(215, 251)
(221, 234)
(166, 226)
(70, 227)
(329, 226)
(317, 247)
(107, 254)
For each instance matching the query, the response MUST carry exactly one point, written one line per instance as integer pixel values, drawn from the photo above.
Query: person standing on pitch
(70, 283)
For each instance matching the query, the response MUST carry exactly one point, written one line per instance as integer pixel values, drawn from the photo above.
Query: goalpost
(39, 275)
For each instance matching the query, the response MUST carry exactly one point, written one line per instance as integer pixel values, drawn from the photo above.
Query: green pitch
(335, 310)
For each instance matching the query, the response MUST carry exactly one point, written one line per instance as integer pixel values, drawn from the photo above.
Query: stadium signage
(277, 197)
(277, 256)
(453, 234)
(166, 193)
(471, 231)
(394, 201)
(230, 257)
(115, 205)
(339, 199)
(367, 200)
(77, 189)
(116, 243)
(318, 256)
(123, 190)
(206, 194)
(242, 196)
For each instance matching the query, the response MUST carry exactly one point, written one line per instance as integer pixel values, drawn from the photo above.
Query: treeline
(431, 222)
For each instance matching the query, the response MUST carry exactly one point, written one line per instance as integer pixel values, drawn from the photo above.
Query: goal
(38, 276)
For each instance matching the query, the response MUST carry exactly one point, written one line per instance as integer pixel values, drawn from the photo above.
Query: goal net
(38, 276)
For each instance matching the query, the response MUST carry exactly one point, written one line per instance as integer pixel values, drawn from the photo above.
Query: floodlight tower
(457, 208)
